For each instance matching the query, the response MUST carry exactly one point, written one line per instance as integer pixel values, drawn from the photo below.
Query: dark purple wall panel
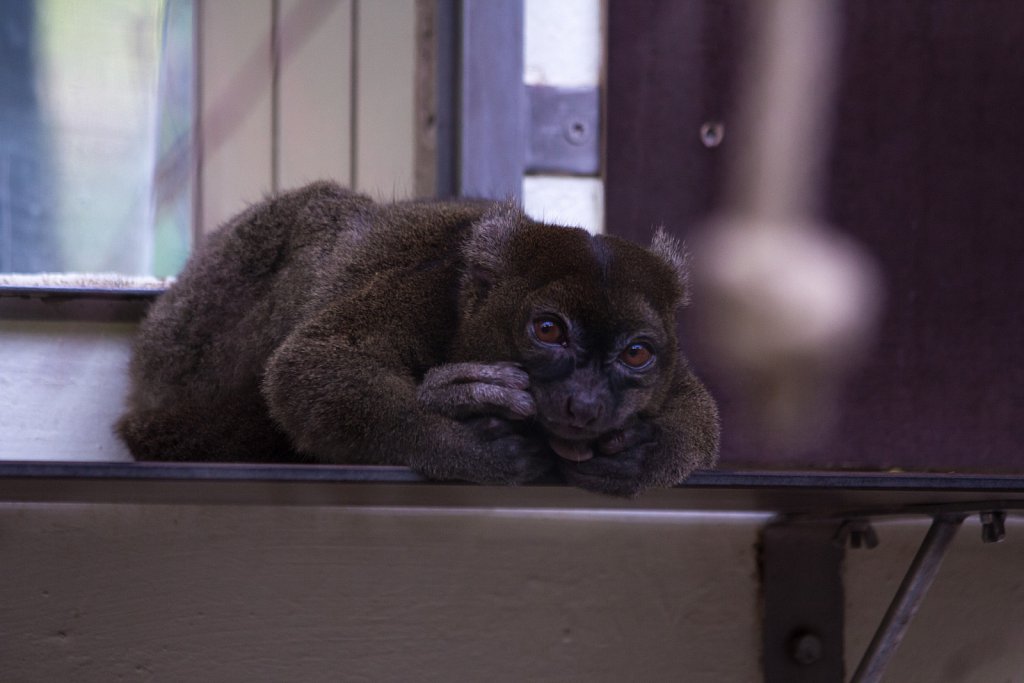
(927, 171)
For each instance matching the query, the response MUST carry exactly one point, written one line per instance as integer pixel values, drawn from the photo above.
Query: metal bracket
(916, 582)
(803, 593)
(76, 303)
(491, 105)
(564, 135)
(803, 602)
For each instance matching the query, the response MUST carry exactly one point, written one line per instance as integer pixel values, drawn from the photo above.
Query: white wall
(62, 386)
(564, 48)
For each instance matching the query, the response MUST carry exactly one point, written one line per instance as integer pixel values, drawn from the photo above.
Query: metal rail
(918, 579)
(796, 495)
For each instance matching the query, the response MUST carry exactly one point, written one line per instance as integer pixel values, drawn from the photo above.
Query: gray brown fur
(323, 327)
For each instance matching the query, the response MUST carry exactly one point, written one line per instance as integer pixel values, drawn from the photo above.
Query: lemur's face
(592, 321)
(596, 357)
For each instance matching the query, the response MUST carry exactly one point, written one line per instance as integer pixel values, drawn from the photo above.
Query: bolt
(859, 532)
(805, 648)
(993, 526)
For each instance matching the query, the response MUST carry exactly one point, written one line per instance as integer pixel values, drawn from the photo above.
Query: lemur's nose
(583, 410)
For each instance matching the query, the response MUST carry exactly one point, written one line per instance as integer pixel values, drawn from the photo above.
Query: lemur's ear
(486, 251)
(675, 255)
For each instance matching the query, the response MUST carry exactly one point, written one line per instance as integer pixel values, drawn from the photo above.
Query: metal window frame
(507, 129)
(82, 304)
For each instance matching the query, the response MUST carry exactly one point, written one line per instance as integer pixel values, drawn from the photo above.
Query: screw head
(712, 133)
(577, 132)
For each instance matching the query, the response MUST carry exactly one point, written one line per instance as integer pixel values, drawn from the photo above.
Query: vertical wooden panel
(436, 83)
(670, 69)
(314, 91)
(235, 74)
(926, 171)
(385, 140)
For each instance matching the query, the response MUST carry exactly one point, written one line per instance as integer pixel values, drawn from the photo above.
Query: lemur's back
(203, 347)
(203, 344)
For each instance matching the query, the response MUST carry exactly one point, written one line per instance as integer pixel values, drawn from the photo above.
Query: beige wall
(970, 628)
(62, 386)
(100, 592)
(91, 593)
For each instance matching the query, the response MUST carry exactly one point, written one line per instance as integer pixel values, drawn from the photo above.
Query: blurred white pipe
(786, 109)
(790, 303)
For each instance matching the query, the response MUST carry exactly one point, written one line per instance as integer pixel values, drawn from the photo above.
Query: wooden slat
(385, 72)
(235, 107)
(314, 92)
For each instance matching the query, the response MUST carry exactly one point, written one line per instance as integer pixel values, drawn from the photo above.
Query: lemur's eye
(637, 355)
(549, 330)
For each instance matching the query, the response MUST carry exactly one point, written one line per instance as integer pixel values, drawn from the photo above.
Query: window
(96, 120)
